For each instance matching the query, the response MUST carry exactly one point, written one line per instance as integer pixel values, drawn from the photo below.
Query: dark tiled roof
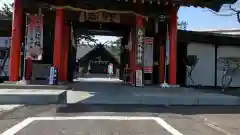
(208, 37)
(85, 50)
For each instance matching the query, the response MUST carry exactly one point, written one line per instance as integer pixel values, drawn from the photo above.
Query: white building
(209, 47)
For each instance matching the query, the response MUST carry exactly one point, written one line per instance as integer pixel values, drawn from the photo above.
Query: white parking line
(214, 126)
(18, 127)
(27, 121)
(168, 127)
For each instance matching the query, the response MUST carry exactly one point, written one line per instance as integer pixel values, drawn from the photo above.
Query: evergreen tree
(230, 10)
(6, 10)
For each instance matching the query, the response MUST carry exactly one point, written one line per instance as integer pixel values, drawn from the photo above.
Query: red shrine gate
(138, 14)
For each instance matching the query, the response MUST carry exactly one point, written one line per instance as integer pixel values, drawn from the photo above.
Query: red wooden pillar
(173, 46)
(132, 56)
(58, 43)
(161, 64)
(65, 51)
(15, 49)
(139, 25)
(133, 65)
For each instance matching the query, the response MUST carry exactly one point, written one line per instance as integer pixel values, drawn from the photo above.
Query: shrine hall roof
(127, 4)
(212, 4)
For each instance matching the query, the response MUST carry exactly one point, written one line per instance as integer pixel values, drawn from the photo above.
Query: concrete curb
(32, 97)
(22, 86)
(165, 100)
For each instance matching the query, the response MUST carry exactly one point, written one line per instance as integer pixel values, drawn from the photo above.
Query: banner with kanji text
(34, 36)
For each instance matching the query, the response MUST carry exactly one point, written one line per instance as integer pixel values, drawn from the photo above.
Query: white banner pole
(165, 84)
(23, 45)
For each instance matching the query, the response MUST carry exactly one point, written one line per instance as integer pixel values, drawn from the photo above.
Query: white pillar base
(164, 85)
(23, 81)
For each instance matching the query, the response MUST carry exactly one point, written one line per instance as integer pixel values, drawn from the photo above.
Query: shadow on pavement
(184, 110)
(105, 91)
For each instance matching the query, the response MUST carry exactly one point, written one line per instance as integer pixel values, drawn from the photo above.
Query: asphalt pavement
(78, 119)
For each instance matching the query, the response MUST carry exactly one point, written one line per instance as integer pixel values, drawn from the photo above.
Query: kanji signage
(139, 78)
(99, 60)
(140, 46)
(99, 17)
(34, 39)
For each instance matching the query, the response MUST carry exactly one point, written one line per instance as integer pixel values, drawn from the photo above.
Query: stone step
(32, 97)
(9, 85)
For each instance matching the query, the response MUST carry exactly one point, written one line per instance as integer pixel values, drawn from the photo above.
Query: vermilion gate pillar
(15, 47)
(66, 51)
(58, 54)
(161, 63)
(173, 46)
(133, 52)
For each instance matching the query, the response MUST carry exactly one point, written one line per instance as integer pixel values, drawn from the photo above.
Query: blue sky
(201, 18)
(204, 19)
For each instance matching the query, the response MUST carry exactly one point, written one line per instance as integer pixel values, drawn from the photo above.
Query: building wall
(228, 51)
(204, 71)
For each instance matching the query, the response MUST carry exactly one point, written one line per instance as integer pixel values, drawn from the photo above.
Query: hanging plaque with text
(34, 33)
(99, 17)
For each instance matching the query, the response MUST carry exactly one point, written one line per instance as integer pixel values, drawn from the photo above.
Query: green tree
(182, 25)
(85, 39)
(115, 46)
(6, 10)
(230, 10)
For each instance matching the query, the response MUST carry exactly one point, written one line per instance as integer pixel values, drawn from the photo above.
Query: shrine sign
(140, 46)
(148, 55)
(34, 36)
(102, 17)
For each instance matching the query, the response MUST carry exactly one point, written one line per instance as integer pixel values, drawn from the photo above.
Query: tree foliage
(236, 11)
(182, 25)
(115, 46)
(85, 39)
(6, 10)
(230, 10)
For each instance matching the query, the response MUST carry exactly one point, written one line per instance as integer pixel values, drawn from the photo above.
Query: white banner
(167, 47)
(72, 38)
(148, 55)
(34, 34)
(139, 78)
(140, 46)
(130, 41)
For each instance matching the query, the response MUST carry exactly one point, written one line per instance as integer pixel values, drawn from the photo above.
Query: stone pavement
(110, 91)
(81, 119)
(225, 123)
